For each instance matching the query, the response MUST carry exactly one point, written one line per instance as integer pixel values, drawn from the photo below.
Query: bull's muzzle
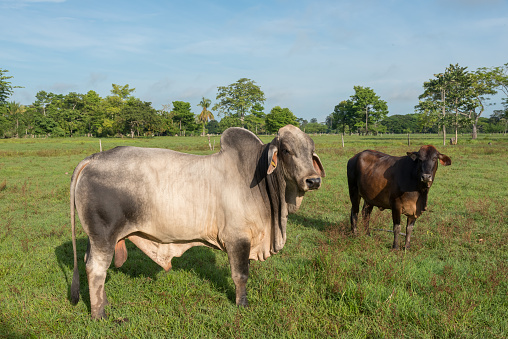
(313, 183)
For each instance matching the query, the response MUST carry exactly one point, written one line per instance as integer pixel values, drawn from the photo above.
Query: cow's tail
(75, 276)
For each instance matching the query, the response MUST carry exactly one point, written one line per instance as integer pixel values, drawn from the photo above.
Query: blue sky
(305, 55)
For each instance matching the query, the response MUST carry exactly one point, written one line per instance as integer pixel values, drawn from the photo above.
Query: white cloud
(18, 4)
(62, 87)
(95, 78)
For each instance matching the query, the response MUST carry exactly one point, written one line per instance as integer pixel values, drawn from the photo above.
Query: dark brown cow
(398, 183)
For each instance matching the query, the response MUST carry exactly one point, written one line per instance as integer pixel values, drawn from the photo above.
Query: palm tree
(205, 113)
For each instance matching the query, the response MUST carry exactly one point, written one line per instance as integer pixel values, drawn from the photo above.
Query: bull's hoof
(242, 302)
(100, 317)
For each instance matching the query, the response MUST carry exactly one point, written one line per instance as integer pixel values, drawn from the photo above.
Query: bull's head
(294, 152)
(427, 159)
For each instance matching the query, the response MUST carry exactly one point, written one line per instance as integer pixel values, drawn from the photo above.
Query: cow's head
(427, 159)
(293, 151)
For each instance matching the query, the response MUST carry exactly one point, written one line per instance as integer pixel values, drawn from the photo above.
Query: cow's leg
(409, 229)
(354, 196)
(366, 211)
(238, 254)
(396, 227)
(97, 263)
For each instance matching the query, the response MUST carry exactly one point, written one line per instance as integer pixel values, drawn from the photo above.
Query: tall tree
(428, 114)
(43, 99)
(238, 98)
(183, 116)
(123, 92)
(482, 86)
(452, 90)
(278, 118)
(501, 116)
(460, 96)
(435, 90)
(138, 117)
(93, 115)
(6, 88)
(72, 108)
(229, 121)
(500, 75)
(367, 103)
(344, 116)
(15, 110)
(255, 122)
(205, 114)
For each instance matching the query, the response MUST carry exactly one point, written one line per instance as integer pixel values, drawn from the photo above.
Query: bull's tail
(75, 276)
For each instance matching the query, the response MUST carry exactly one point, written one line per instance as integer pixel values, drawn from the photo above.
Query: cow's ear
(317, 165)
(413, 155)
(272, 158)
(444, 160)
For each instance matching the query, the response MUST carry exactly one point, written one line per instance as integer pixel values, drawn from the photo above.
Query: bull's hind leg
(238, 254)
(97, 264)
(409, 229)
(366, 211)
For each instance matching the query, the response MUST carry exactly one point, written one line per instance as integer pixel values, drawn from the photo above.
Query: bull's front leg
(396, 227)
(238, 254)
(409, 229)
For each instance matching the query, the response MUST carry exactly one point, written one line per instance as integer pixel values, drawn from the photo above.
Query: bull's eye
(285, 151)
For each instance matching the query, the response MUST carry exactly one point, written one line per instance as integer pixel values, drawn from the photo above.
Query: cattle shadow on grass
(200, 260)
(317, 224)
(203, 262)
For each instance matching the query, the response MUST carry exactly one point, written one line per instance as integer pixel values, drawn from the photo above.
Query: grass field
(324, 283)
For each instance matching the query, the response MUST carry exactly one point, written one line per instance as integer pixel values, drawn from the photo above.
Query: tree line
(122, 114)
(454, 99)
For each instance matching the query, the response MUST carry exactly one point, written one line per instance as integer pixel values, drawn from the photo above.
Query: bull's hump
(239, 139)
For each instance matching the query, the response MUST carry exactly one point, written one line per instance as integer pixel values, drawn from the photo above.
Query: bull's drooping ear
(272, 158)
(318, 167)
(444, 159)
(413, 155)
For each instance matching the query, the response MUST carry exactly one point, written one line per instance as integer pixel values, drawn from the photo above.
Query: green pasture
(324, 283)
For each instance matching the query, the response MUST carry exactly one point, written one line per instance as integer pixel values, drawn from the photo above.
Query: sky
(306, 55)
